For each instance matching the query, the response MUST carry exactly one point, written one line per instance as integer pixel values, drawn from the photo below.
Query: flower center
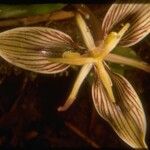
(110, 42)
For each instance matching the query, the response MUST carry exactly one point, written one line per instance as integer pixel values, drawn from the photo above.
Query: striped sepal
(30, 48)
(126, 116)
(135, 12)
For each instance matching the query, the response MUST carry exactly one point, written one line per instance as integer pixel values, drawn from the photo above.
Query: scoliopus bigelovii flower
(46, 50)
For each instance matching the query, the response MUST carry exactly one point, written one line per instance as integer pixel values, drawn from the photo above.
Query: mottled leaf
(30, 48)
(126, 116)
(135, 12)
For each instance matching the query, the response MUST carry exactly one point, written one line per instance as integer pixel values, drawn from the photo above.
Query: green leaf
(8, 11)
(117, 68)
(125, 51)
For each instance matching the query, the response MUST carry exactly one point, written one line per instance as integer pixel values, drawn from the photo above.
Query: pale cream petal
(126, 116)
(30, 48)
(135, 12)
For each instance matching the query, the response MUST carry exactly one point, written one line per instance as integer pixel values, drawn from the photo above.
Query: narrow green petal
(126, 116)
(87, 36)
(72, 96)
(128, 61)
(31, 47)
(103, 75)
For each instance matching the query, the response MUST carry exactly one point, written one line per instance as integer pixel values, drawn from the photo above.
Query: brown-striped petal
(126, 116)
(30, 48)
(135, 12)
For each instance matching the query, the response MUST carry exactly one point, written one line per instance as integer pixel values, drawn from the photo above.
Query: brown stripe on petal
(124, 84)
(59, 34)
(48, 36)
(28, 35)
(134, 114)
(38, 68)
(31, 48)
(52, 67)
(26, 40)
(126, 116)
(40, 64)
(23, 40)
(113, 115)
(119, 122)
(140, 26)
(134, 108)
(136, 13)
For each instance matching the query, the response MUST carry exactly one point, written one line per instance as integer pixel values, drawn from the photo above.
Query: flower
(45, 50)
